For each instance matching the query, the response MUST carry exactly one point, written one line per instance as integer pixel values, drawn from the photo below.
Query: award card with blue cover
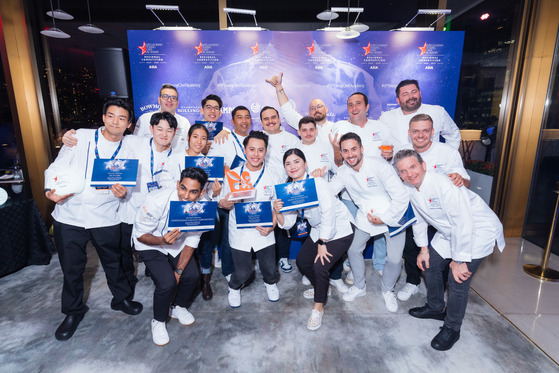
(254, 214)
(213, 127)
(107, 172)
(213, 166)
(192, 215)
(297, 195)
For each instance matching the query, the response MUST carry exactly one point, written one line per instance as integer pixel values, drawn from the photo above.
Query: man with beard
(408, 96)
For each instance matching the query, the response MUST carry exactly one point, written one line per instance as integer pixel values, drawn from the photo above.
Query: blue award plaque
(254, 214)
(213, 166)
(213, 127)
(190, 216)
(107, 172)
(297, 195)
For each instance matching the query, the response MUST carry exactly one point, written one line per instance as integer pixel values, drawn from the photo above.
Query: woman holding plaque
(330, 236)
(197, 140)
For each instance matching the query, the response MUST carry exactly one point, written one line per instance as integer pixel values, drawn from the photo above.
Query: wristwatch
(179, 271)
(320, 242)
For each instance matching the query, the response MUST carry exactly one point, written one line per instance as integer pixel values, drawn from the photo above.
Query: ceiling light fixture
(242, 28)
(54, 32)
(358, 26)
(347, 33)
(327, 15)
(90, 28)
(153, 7)
(442, 13)
(59, 14)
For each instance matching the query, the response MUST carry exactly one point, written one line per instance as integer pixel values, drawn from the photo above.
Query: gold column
(22, 81)
(222, 16)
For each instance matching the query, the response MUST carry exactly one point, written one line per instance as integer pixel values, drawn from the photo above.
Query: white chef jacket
(318, 155)
(373, 134)
(278, 144)
(466, 227)
(292, 117)
(180, 141)
(90, 208)
(374, 187)
(228, 149)
(153, 217)
(441, 158)
(330, 220)
(398, 123)
(246, 239)
(136, 195)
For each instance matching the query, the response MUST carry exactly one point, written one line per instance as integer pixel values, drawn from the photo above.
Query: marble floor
(511, 325)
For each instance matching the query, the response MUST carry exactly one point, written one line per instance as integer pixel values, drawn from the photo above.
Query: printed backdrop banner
(316, 64)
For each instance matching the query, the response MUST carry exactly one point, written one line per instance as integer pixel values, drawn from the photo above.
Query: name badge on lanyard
(152, 185)
(302, 230)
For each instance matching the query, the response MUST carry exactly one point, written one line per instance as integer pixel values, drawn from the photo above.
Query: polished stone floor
(261, 336)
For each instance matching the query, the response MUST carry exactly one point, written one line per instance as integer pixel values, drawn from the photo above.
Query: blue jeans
(457, 294)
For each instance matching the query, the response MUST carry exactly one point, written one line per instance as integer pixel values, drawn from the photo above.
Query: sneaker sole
(162, 344)
(357, 296)
(314, 327)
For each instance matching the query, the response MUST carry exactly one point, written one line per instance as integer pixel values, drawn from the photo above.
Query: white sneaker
(306, 281)
(234, 298)
(315, 320)
(390, 301)
(159, 333)
(349, 278)
(407, 291)
(309, 293)
(182, 314)
(353, 293)
(285, 265)
(273, 292)
(228, 277)
(347, 267)
(378, 272)
(339, 285)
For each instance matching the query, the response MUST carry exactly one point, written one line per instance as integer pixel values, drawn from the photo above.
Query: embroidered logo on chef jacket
(433, 203)
(268, 191)
(440, 168)
(371, 183)
(324, 158)
(284, 148)
(377, 136)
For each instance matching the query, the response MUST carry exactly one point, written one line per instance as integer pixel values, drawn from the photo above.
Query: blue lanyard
(151, 149)
(239, 143)
(97, 151)
(259, 176)
(302, 211)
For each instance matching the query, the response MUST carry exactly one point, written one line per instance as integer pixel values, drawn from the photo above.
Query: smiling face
(352, 153)
(270, 121)
(411, 171)
(255, 151)
(307, 132)
(162, 134)
(295, 167)
(242, 122)
(189, 189)
(116, 121)
(409, 98)
(211, 111)
(420, 133)
(317, 110)
(169, 100)
(357, 109)
(197, 141)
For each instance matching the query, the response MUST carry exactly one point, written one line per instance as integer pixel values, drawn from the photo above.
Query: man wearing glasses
(169, 102)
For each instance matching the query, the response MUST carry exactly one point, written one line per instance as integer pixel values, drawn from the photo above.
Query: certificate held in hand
(107, 172)
(297, 195)
(213, 166)
(213, 127)
(254, 214)
(190, 216)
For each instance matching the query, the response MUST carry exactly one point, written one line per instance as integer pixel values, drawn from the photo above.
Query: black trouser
(243, 266)
(318, 273)
(411, 251)
(71, 244)
(227, 266)
(162, 269)
(127, 259)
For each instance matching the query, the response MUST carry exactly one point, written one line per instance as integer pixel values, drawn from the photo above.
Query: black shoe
(426, 312)
(68, 327)
(207, 293)
(129, 307)
(446, 338)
